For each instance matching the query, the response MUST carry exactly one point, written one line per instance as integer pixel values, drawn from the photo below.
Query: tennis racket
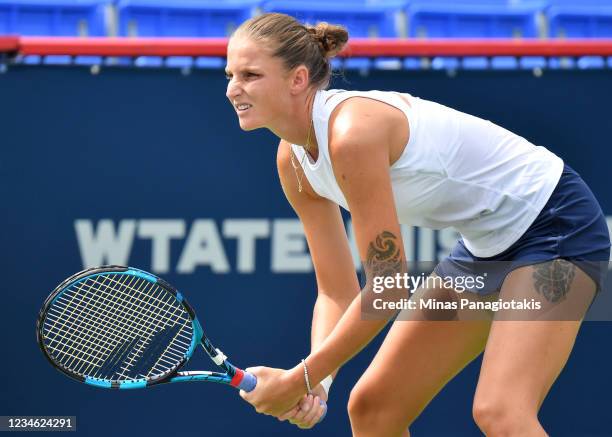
(122, 328)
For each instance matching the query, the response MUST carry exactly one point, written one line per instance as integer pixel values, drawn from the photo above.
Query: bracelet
(306, 377)
(326, 383)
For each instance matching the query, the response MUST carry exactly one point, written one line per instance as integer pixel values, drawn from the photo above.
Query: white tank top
(457, 171)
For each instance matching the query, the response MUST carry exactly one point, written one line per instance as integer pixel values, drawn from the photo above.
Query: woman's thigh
(417, 358)
(526, 350)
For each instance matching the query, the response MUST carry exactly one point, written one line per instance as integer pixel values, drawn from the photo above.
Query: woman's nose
(232, 90)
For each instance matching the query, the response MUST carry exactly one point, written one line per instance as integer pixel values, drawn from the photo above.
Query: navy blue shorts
(571, 226)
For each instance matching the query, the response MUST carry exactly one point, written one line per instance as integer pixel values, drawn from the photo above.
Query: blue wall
(117, 152)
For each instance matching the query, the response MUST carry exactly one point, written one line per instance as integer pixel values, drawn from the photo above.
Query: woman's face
(258, 86)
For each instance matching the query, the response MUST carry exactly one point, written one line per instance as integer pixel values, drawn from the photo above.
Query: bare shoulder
(365, 125)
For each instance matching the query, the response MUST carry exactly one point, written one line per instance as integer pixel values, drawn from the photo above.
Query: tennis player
(392, 158)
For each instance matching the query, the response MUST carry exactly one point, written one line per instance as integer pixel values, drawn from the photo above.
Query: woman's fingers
(289, 414)
(307, 413)
(312, 410)
(311, 418)
(304, 406)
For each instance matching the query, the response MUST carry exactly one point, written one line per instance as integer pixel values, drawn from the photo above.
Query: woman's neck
(298, 127)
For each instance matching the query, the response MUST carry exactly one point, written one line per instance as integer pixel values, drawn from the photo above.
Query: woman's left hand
(277, 390)
(308, 412)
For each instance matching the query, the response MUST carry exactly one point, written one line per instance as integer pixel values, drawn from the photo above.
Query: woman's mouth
(243, 107)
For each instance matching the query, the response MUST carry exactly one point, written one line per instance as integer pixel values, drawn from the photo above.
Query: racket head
(117, 327)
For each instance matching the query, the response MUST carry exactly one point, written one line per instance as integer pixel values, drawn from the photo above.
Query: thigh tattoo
(553, 279)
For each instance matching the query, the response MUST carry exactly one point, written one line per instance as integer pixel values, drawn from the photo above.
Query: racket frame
(232, 375)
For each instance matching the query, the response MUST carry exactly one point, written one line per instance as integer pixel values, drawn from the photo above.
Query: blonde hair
(297, 44)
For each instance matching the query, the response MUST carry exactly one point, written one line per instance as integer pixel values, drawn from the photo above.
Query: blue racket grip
(248, 383)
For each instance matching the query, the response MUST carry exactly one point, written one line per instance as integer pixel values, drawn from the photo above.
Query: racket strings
(172, 351)
(169, 356)
(85, 333)
(65, 342)
(102, 326)
(123, 330)
(78, 317)
(152, 325)
(125, 325)
(107, 309)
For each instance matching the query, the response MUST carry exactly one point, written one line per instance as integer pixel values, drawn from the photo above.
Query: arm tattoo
(553, 279)
(384, 256)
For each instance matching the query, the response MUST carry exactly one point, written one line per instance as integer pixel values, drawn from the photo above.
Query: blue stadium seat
(479, 3)
(585, 20)
(362, 18)
(445, 63)
(504, 63)
(387, 63)
(358, 63)
(564, 63)
(474, 19)
(197, 18)
(53, 17)
(475, 63)
(588, 19)
(532, 62)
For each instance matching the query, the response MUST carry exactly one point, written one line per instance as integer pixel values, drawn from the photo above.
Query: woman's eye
(245, 75)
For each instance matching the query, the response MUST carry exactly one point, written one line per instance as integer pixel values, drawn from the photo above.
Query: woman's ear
(300, 79)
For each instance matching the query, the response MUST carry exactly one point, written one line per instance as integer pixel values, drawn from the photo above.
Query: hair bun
(330, 37)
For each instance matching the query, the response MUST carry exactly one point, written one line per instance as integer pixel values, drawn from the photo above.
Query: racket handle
(248, 383)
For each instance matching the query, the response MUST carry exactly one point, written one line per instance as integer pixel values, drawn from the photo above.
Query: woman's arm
(360, 148)
(361, 144)
(337, 282)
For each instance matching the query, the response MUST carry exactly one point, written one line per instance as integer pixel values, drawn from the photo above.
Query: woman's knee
(501, 416)
(362, 404)
(370, 407)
